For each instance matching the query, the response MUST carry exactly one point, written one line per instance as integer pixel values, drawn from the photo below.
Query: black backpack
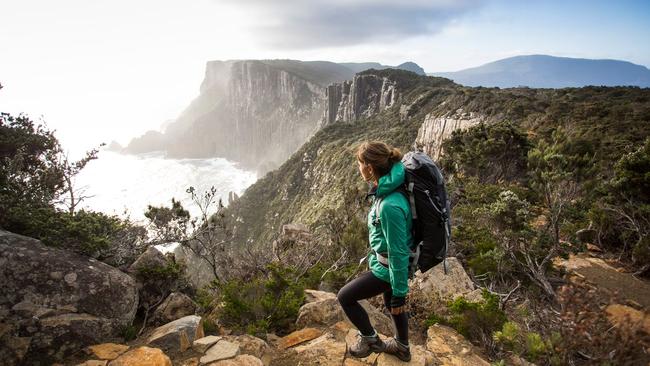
(424, 187)
(426, 192)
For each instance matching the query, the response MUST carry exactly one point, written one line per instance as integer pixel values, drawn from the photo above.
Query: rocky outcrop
(436, 129)
(451, 348)
(150, 141)
(606, 278)
(142, 356)
(445, 286)
(197, 270)
(363, 97)
(177, 335)
(326, 310)
(175, 306)
(55, 302)
(153, 285)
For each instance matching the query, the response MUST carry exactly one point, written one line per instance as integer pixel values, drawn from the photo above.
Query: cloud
(296, 24)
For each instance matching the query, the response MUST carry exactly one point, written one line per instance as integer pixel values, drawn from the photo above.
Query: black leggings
(365, 286)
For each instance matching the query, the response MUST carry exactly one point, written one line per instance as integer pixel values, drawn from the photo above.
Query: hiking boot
(397, 349)
(366, 345)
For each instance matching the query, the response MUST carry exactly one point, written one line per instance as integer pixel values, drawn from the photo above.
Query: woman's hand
(397, 305)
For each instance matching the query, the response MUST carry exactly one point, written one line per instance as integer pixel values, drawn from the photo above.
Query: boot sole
(373, 349)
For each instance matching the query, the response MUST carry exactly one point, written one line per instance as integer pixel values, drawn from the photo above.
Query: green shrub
(170, 272)
(530, 345)
(209, 327)
(129, 333)
(475, 320)
(267, 302)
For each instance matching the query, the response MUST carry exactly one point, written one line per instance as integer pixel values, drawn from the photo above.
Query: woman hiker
(390, 239)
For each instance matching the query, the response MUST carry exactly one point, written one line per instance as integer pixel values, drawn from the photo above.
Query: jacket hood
(389, 182)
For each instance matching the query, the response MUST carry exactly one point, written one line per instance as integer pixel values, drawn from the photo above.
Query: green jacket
(392, 234)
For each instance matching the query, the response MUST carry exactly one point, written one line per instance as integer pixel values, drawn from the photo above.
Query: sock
(374, 334)
(405, 344)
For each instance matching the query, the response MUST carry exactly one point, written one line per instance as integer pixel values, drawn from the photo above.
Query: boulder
(328, 311)
(222, 350)
(298, 337)
(447, 286)
(151, 258)
(197, 270)
(253, 346)
(152, 288)
(451, 348)
(175, 306)
(324, 350)
(202, 344)
(315, 295)
(142, 356)
(241, 360)
(54, 302)
(606, 278)
(177, 335)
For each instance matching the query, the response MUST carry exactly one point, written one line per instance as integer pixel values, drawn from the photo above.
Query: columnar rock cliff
(364, 96)
(436, 129)
(258, 117)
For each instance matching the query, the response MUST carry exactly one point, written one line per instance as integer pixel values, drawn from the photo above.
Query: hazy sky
(98, 71)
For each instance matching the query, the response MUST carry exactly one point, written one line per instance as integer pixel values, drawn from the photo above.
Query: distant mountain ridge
(543, 71)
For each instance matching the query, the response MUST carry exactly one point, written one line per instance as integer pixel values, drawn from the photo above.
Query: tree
(492, 152)
(557, 171)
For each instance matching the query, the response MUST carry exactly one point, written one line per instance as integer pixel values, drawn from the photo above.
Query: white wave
(127, 184)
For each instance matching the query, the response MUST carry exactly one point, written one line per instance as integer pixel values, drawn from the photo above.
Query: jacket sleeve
(393, 224)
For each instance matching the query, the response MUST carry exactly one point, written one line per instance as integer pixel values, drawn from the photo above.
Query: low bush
(268, 302)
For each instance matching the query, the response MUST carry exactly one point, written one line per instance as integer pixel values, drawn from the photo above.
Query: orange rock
(143, 356)
(299, 336)
(107, 351)
(93, 363)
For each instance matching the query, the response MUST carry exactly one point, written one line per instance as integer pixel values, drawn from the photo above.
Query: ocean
(125, 185)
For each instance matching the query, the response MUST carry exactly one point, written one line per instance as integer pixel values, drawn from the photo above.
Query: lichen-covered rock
(54, 302)
(222, 350)
(142, 356)
(152, 257)
(315, 295)
(152, 287)
(175, 306)
(202, 344)
(447, 286)
(254, 346)
(177, 335)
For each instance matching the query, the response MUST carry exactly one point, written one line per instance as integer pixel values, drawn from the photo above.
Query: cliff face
(250, 112)
(364, 96)
(436, 129)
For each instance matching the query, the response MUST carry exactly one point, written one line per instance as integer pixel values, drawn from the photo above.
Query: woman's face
(366, 171)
